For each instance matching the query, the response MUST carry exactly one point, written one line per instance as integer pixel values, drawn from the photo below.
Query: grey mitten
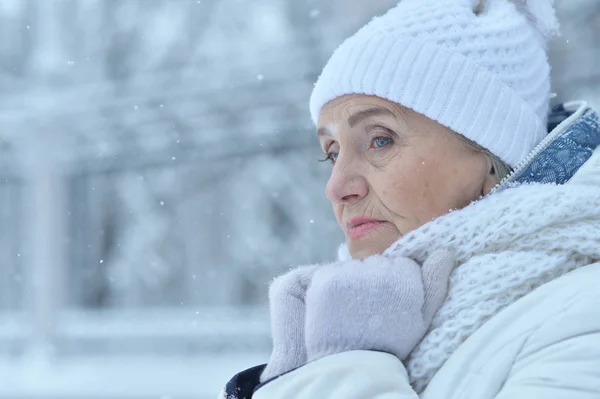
(382, 303)
(286, 302)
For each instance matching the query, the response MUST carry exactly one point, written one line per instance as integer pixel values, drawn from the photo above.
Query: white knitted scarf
(507, 244)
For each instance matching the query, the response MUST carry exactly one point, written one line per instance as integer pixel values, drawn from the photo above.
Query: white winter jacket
(544, 344)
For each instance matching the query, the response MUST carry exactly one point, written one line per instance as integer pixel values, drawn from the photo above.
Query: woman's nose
(346, 185)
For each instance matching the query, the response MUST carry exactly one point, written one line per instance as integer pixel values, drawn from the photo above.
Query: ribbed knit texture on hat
(479, 68)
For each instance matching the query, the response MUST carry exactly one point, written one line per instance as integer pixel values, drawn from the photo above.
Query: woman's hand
(382, 303)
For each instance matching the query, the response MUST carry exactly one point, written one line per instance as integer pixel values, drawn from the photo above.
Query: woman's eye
(379, 142)
(331, 157)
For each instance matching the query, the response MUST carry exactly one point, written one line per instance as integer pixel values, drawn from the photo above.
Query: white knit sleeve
(348, 375)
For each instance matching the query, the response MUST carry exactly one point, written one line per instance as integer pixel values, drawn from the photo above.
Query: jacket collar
(574, 135)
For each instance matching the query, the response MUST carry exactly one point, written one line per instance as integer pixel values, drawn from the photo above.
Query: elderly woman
(472, 219)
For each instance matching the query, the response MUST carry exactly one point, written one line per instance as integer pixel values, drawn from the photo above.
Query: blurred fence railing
(149, 246)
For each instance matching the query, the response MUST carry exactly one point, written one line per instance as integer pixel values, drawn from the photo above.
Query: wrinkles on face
(395, 166)
(369, 207)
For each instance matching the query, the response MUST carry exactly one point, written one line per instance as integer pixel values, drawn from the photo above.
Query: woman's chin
(365, 247)
(364, 253)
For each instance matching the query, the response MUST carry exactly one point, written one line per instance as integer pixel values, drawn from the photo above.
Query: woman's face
(394, 170)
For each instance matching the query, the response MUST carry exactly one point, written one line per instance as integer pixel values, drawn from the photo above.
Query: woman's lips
(359, 227)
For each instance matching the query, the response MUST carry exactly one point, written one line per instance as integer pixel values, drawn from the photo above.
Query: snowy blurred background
(157, 170)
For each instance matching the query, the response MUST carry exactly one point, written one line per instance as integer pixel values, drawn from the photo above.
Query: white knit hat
(478, 67)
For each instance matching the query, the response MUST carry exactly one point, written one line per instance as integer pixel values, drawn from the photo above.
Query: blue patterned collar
(574, 135)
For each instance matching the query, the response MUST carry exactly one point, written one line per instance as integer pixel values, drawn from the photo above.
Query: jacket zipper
(581, 107)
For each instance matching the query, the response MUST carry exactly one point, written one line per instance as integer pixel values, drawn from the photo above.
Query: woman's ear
(491, 179)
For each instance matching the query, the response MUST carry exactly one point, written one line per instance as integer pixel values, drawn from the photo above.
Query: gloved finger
(287, 295)
(405, 275)
(287, 307)
(294, 283)
(436, 273)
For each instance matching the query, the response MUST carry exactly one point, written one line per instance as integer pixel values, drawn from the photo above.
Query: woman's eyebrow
(367, 113)
(323, 131)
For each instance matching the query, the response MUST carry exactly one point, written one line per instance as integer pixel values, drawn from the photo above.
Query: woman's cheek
(337, 211)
